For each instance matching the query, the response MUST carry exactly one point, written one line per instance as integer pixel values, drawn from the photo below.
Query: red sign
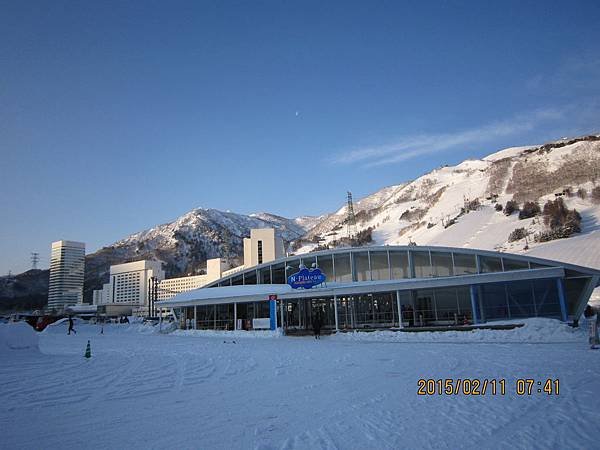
(272, 297)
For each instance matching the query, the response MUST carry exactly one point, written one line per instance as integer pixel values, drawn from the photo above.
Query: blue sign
(306, 278)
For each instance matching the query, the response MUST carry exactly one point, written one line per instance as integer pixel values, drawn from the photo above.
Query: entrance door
(425, 312)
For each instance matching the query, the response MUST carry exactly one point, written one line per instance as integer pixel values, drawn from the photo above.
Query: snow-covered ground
(201, 390)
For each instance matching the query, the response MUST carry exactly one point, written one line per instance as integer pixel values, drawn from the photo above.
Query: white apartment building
(170, 287)
(128, 284)
(67, 265)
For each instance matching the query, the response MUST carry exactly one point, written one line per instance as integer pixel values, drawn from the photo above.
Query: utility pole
(35, 259)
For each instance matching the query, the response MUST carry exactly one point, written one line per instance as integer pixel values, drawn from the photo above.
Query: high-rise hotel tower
(67, 264)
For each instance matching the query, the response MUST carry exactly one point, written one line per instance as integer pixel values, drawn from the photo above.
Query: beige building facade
(262, 246)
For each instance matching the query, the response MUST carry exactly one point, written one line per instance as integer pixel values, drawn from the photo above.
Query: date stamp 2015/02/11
(486, 386)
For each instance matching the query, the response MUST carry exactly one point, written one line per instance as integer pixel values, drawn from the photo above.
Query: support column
(235, 316)
(273, 312)
(400, 324)
(560, 286)
(474, 303)
(281, 306)
(335, 312)
(195, 318)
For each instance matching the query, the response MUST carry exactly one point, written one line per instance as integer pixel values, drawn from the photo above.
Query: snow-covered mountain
(187, 242)
(456, 205)
(450, 206)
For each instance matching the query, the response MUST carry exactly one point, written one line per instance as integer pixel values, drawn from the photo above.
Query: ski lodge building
(386, 287)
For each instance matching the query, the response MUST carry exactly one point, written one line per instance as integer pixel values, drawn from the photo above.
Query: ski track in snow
(160, 391)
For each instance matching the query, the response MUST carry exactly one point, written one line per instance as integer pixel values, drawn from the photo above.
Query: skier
(592, 320)
(71, 326)
(317, 327)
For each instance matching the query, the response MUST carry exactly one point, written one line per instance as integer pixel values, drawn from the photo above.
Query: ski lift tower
(35, 259)
(350, 217)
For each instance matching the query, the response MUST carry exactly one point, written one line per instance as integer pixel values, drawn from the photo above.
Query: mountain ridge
(417, 211)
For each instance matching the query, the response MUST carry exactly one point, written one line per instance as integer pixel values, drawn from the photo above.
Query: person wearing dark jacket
(592, 320)
(317, 326)
(71, 326)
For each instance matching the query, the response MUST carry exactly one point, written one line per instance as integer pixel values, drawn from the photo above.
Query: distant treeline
(31, 302)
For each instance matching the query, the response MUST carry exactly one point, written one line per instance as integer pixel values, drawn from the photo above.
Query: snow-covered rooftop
(243, 292)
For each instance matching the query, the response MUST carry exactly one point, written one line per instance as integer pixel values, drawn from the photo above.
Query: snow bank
(82, 327)
(18, 336)
(62, 326)
(535, 330)
(263, 334)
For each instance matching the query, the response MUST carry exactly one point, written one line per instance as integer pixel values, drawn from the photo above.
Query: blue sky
(116, 116)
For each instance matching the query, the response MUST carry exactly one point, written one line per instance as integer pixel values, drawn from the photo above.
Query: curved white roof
(247, 292)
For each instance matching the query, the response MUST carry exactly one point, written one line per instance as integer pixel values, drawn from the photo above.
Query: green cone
(88, 350)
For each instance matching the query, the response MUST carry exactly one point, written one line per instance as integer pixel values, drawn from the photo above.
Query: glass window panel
(292, 266)
(379, 266)
(361, 264)
(573, 289)
(546, 298)
(264, 275)
(464, 264)
(385, 309)
(261, 310)
(326, 265)
(520, 299)
(493, 299)
(399, 263)
(490, 264)
(424, 306)
(463, 294)
(406, 304)
(342, 267)
(308, 261)
(224, 316)
(446, 306)
(442, 264)
(250, 277)
(535, 265)
(237, 280)
(345, 312)
(514, 264)
(363, 310)
(278, 273)
(421, 264)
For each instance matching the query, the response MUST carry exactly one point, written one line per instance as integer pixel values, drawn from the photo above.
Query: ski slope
(199, 390)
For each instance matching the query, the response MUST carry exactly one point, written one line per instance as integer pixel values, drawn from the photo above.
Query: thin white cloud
(577, 74)
(415, 146)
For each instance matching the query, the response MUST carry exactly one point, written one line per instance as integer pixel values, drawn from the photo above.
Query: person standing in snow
(317, 326)
(71, 326)
(592, 320)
